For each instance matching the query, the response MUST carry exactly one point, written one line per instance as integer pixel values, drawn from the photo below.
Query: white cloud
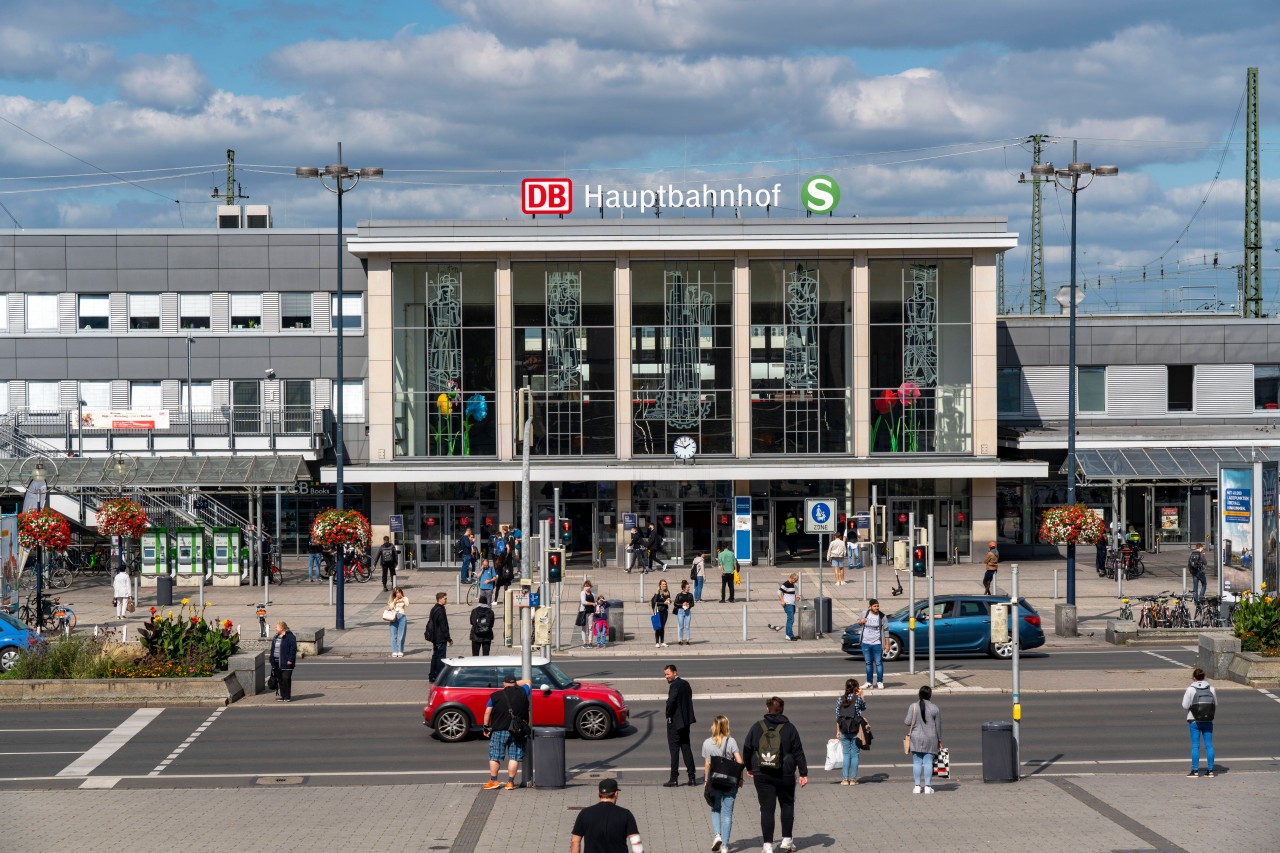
(172, 82)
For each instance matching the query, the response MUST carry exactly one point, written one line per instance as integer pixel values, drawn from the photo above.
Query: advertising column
(1242, 517)
(1270, 545)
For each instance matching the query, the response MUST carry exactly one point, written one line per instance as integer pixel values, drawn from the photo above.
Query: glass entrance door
(688, 528)
(440, 526)
(577, 533)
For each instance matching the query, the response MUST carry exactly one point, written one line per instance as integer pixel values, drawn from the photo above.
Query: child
(602, 621)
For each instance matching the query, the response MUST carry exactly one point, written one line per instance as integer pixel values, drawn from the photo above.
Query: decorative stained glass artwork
(687, 308)
(564, 310)
(444, 308)
(800, 354)
(920, 327)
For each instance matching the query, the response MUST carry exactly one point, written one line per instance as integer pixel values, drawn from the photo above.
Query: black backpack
(1203, 705)
(847, 719)
(387, 556)
(482, 621)
(770, 747)
(1195, 563)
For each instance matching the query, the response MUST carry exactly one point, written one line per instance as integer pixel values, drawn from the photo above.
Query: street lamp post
(1069, 179)
(344, 181)
(42, 477)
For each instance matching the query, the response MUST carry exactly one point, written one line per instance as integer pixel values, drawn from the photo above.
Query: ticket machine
(155, 555)
(190, 555)
(228, 567)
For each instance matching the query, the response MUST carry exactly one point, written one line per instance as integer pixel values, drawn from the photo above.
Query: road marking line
(100, 782)
(186, 743)
(58, 752)
(1273, 697)
(109, 745)
(1169, 660)
(103, 729)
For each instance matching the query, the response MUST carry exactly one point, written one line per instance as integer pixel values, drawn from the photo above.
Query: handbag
(273, 683)
(725, 772)
(656, 621)
(130, 606)
(906, 739)
(942, 763)
(388, 615)
(581, 620)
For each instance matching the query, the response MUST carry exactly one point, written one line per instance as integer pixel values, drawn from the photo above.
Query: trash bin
(548, 757)
(164, 590)
(616, 607)
(999, 752)
(822, 604)
(806, 623)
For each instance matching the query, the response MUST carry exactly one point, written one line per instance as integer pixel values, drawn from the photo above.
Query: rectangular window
(352, 400)
(144, 311)
(94, 311)
(42, 396)
(295, 310)
(1009, 391)
(1266, 387)
(201, 395)
(1182, 382)
(246, 310)
(42, 312)
(1091, 390)
(352, 310)
(144, 396)
(194, 311)
(95, 395)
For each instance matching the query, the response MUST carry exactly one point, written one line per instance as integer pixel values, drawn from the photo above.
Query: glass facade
(801, 339)
(445, 359)
(563, 347)
(682, 355)
(920, 349)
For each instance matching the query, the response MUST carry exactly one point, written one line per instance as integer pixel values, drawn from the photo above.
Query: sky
(119, 115)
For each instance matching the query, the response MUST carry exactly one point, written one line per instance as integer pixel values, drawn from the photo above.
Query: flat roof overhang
(167, 472)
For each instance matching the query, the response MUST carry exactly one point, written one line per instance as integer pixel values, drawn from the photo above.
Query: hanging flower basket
(122, 517)
(1068, 525)
(335, 527)
(44, 527)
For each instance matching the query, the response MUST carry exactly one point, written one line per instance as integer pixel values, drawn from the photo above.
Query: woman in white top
(399, 626)
(121, 590)
(837, 551)
(721, 799)
(586, 611)
(1200, 702)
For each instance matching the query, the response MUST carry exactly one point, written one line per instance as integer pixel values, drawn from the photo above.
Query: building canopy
(166, 472)
(1171, 464)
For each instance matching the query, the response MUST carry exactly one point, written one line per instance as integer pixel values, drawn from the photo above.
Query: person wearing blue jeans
(850, 706)
(399, 626)
(924, 733)
(722, 800)
(788, 597)
(874, 627)
(1200, 700)
(684, 603)
(314, 562)
(467, 551)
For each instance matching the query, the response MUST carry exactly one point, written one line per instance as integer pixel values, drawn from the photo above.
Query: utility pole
(233, 191)
(1037, 231)
(1251, 296)
(1000, 303)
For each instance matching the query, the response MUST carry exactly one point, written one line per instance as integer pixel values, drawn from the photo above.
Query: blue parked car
(961, 625)
(15, 638)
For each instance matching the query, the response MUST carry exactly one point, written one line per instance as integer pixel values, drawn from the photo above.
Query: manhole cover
(278, 780)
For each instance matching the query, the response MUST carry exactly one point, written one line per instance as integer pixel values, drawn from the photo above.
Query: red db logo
(546, 195)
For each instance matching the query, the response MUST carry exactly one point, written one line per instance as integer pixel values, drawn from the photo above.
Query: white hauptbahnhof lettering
(669, 196)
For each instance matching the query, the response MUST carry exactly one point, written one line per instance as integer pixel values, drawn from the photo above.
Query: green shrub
(1257, 623)
(75, 656)
(184, 637)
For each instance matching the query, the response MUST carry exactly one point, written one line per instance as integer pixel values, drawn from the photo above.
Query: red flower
(886, 401)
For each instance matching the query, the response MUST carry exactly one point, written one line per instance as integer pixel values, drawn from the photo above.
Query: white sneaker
(657, 645)
(928, 790)
(716, 843)
(788, 845)
(916, 789)
(768, 848)
(880, 686)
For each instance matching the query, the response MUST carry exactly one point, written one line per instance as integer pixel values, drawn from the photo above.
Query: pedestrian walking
(774, 759)
(605, 827)
(1199, 577)
(399, 624)
(1100, 556)
(1201, 703)
(851, 707)
(467, 553)
(875, 625)
(639, 551)
(601, 623)
(788, 597)
(437, 634)
(586, 612)
(660, 605)
(679, 714)
(837, 553)
(482, 619)
(315, 559)
(791, 529)
(684, 614)
(992, 563)
(698, 574)
(924, 738)
(728, 565)
(388, 560)
(721, 794)
(507, 725)
(284, 656)
(121, 591)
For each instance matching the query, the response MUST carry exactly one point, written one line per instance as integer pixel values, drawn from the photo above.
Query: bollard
(124, 633)
(641, 598)
(1055, 584)
(864, 586)
(748, 586)
(330, 591)
(744, 623)
(457, 588)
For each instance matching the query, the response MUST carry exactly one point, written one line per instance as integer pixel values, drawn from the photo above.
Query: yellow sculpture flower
(186, 601)
(444, 405)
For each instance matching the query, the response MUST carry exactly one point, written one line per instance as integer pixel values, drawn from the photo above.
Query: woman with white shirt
(586, 612)
(1200, 702)
(121, 590)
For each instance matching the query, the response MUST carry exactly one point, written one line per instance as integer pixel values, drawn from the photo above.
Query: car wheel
(1004, 651)
(452, 725)
(9, 658)
(593, 723)
(893, 648)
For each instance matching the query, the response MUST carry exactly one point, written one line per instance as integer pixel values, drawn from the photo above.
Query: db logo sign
(546, 195)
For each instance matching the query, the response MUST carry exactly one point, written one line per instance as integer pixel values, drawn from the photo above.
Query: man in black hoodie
(774, 757)
(437, 634)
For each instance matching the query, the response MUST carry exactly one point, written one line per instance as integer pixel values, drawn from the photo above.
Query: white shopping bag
(835, 755)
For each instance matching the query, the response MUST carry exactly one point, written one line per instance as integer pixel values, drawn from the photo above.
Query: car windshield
(11, 622)
(552, 674)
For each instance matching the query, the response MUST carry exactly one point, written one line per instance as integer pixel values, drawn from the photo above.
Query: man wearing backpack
(1201, 703)
(1199, 578)
(774, 758)
(507, 726)
(388, 559)
(481, 627)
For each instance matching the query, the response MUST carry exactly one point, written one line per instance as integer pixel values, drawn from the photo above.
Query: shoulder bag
(389, 615)
(906, 739)
(519, 728)
(725, 773)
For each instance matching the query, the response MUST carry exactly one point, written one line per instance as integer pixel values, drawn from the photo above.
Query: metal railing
(230, 422)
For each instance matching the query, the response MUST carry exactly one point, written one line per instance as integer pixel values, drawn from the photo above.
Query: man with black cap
(606, 827)
(507, 726)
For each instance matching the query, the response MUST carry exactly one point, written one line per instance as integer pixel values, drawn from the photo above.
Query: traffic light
(555, 565)
(917, 561)
(566, 532)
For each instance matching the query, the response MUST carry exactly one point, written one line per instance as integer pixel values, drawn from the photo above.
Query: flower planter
(221, 689)
(1254, 670)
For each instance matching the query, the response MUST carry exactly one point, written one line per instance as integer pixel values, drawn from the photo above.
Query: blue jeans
(791, 617)
(922, 768)
(1199, 585)
(849, 743)
(684, 618)
(1199, 730)
(872, 653)
(466, 568)
(398, 627)
(313, 568)
(722, 813)
(697, 587)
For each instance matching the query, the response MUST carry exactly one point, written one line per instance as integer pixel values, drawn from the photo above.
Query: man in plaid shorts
(508, 709)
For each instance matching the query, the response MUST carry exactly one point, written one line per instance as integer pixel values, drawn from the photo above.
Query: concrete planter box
(221, 689)
(1254, 670)
(1216, 654)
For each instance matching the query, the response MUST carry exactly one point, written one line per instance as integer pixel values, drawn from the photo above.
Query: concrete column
(507, 508)
(861, 403)
(741, 356)
(983, 513)
(504, 388)
(622, 357)
(381, 347)
(382, 503)
(984, 352)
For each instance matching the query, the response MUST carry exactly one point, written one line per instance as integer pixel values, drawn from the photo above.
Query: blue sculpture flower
(477, 408)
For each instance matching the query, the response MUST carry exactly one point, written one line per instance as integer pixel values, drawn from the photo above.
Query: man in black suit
(679, 718)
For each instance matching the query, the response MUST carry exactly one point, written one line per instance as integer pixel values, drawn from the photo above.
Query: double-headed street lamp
(341, 180)
(1070, 180)
(44, 473)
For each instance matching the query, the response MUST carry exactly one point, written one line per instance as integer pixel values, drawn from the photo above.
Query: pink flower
(909, 392)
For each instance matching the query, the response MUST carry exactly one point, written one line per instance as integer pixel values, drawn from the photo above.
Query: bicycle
(27, 613)
(354, 566)
(54, 577)
(64, 618)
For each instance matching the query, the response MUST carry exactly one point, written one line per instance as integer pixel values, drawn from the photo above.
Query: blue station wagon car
(15, 638)
(961, 625)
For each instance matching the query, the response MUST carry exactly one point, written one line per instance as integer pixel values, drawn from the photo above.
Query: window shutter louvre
(17, 316)
(323, 393)
(169, 313)
(68, 393)
(321, 312)
(119, 313)
(119, 393)
(271, 313)
(1137, 390)
(1044, 392)
(171, 394)
(17, 394)
(271, 394)
(67, 317)
(221, 393)
(220, 319)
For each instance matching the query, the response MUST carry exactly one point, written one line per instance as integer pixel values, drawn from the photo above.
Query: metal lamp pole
(340, 175)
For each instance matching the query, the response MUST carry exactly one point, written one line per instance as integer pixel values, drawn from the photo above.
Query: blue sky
(917, 109)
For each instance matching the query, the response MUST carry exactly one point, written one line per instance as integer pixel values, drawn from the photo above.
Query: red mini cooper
(455, 706)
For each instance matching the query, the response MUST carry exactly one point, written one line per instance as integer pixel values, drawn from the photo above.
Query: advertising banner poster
(122, 420)
(9, 557)
(1237, 518)
(1270, 526)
